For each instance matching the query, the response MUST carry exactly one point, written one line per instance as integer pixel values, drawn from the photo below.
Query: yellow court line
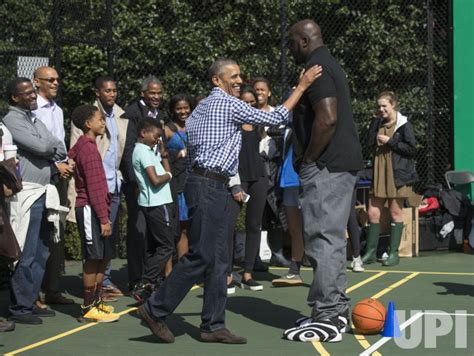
(395, 285)
(70, 332)
(320, 348)
(393, 271)
(361, 338)
(365, 281)
(317, 344)
(426, 272)
(60, 336)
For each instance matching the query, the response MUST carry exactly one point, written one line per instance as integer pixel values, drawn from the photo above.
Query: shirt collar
(44, 103)
(146, 146)
(150, 113)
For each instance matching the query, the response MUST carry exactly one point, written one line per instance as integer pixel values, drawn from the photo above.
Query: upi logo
(430, 325)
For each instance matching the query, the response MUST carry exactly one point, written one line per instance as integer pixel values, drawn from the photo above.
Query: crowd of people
(186, 173)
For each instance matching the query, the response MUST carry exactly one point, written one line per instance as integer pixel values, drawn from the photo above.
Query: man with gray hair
(147, 105)
(215, 138)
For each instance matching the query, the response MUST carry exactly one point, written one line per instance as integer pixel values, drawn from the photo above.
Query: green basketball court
(433, 285)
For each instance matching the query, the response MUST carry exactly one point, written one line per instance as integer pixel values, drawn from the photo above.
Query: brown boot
(158, 328)
(223, 336)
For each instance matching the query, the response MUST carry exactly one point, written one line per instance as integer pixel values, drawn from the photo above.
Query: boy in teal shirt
(152, 171)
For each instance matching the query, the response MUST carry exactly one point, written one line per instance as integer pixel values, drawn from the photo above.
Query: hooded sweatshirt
(89, 176)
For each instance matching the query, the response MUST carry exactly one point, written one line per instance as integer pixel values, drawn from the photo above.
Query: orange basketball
(368, 316)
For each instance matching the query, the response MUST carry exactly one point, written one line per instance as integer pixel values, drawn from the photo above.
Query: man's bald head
(307, 28)
(46, 81)
(303, 38)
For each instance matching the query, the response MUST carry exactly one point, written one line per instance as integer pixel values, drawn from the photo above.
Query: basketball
(368, 316)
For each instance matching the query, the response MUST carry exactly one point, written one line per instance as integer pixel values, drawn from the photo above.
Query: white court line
(403, 326)
(453, 314)
(385, 339)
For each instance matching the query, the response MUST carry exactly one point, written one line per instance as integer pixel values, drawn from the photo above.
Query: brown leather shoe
(158, 328)
(58, 299)
(223, 336)
(6, 325)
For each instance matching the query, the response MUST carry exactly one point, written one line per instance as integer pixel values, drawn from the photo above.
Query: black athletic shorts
(94, 246)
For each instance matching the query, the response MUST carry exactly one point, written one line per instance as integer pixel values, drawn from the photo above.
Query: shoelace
(101, 306)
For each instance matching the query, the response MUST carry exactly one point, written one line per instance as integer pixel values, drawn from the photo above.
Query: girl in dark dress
(177, 139)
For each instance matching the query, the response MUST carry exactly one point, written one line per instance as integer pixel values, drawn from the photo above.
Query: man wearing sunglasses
(46, 81)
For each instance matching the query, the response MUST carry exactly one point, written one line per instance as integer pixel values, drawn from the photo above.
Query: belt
(210, 174)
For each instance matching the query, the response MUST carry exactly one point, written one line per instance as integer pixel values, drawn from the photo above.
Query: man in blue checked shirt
(214, 145)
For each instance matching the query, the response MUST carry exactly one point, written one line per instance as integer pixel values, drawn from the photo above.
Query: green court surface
(434, 284)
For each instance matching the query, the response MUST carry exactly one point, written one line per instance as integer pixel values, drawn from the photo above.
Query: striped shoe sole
(315, 331)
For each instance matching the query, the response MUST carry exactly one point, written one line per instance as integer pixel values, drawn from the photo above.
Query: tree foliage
(381, 44)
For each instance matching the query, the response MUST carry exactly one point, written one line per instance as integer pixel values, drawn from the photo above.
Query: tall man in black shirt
(327, 155)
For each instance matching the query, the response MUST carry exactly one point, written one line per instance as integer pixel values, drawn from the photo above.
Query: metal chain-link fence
(399, 45)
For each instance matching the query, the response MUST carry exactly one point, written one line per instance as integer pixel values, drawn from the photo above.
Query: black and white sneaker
(321, 330)
(251, 284)
(231, 288)
(342, 322)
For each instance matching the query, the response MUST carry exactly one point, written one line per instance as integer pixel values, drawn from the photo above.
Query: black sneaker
(43, 313)
(251, 284)
(318, 330)
(29, 319)
(141, 292)
(342, 322)
(231, 288)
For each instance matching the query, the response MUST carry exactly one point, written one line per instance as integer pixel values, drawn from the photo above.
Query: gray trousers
(325, 201)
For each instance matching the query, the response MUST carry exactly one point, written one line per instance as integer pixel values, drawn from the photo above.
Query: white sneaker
(357, 264)
(383, 258)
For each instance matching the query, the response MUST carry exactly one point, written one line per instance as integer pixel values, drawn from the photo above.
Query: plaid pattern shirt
(89, 177)
(214, 130)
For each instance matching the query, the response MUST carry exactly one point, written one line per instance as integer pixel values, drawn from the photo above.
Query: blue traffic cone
(391, 328)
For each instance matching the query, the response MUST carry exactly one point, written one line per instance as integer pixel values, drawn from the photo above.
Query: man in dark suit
(146, 105)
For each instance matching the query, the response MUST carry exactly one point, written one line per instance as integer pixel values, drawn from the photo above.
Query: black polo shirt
(343, 153)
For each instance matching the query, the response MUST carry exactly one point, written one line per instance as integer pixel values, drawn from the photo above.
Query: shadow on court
(456, 288)
(263, 311)
(175, 322)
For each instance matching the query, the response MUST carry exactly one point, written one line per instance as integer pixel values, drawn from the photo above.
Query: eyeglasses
(28, 93)
(50, 79)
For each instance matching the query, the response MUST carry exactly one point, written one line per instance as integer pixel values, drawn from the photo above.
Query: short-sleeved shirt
(144, 156)
(343, 153)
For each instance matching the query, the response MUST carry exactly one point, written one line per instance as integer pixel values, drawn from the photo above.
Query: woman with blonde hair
(393, 142)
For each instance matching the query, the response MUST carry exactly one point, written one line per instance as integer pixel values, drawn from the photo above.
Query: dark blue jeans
(28, 275)
(208, 202)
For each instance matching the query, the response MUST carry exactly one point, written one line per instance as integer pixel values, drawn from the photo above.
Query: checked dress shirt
(214, 130)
